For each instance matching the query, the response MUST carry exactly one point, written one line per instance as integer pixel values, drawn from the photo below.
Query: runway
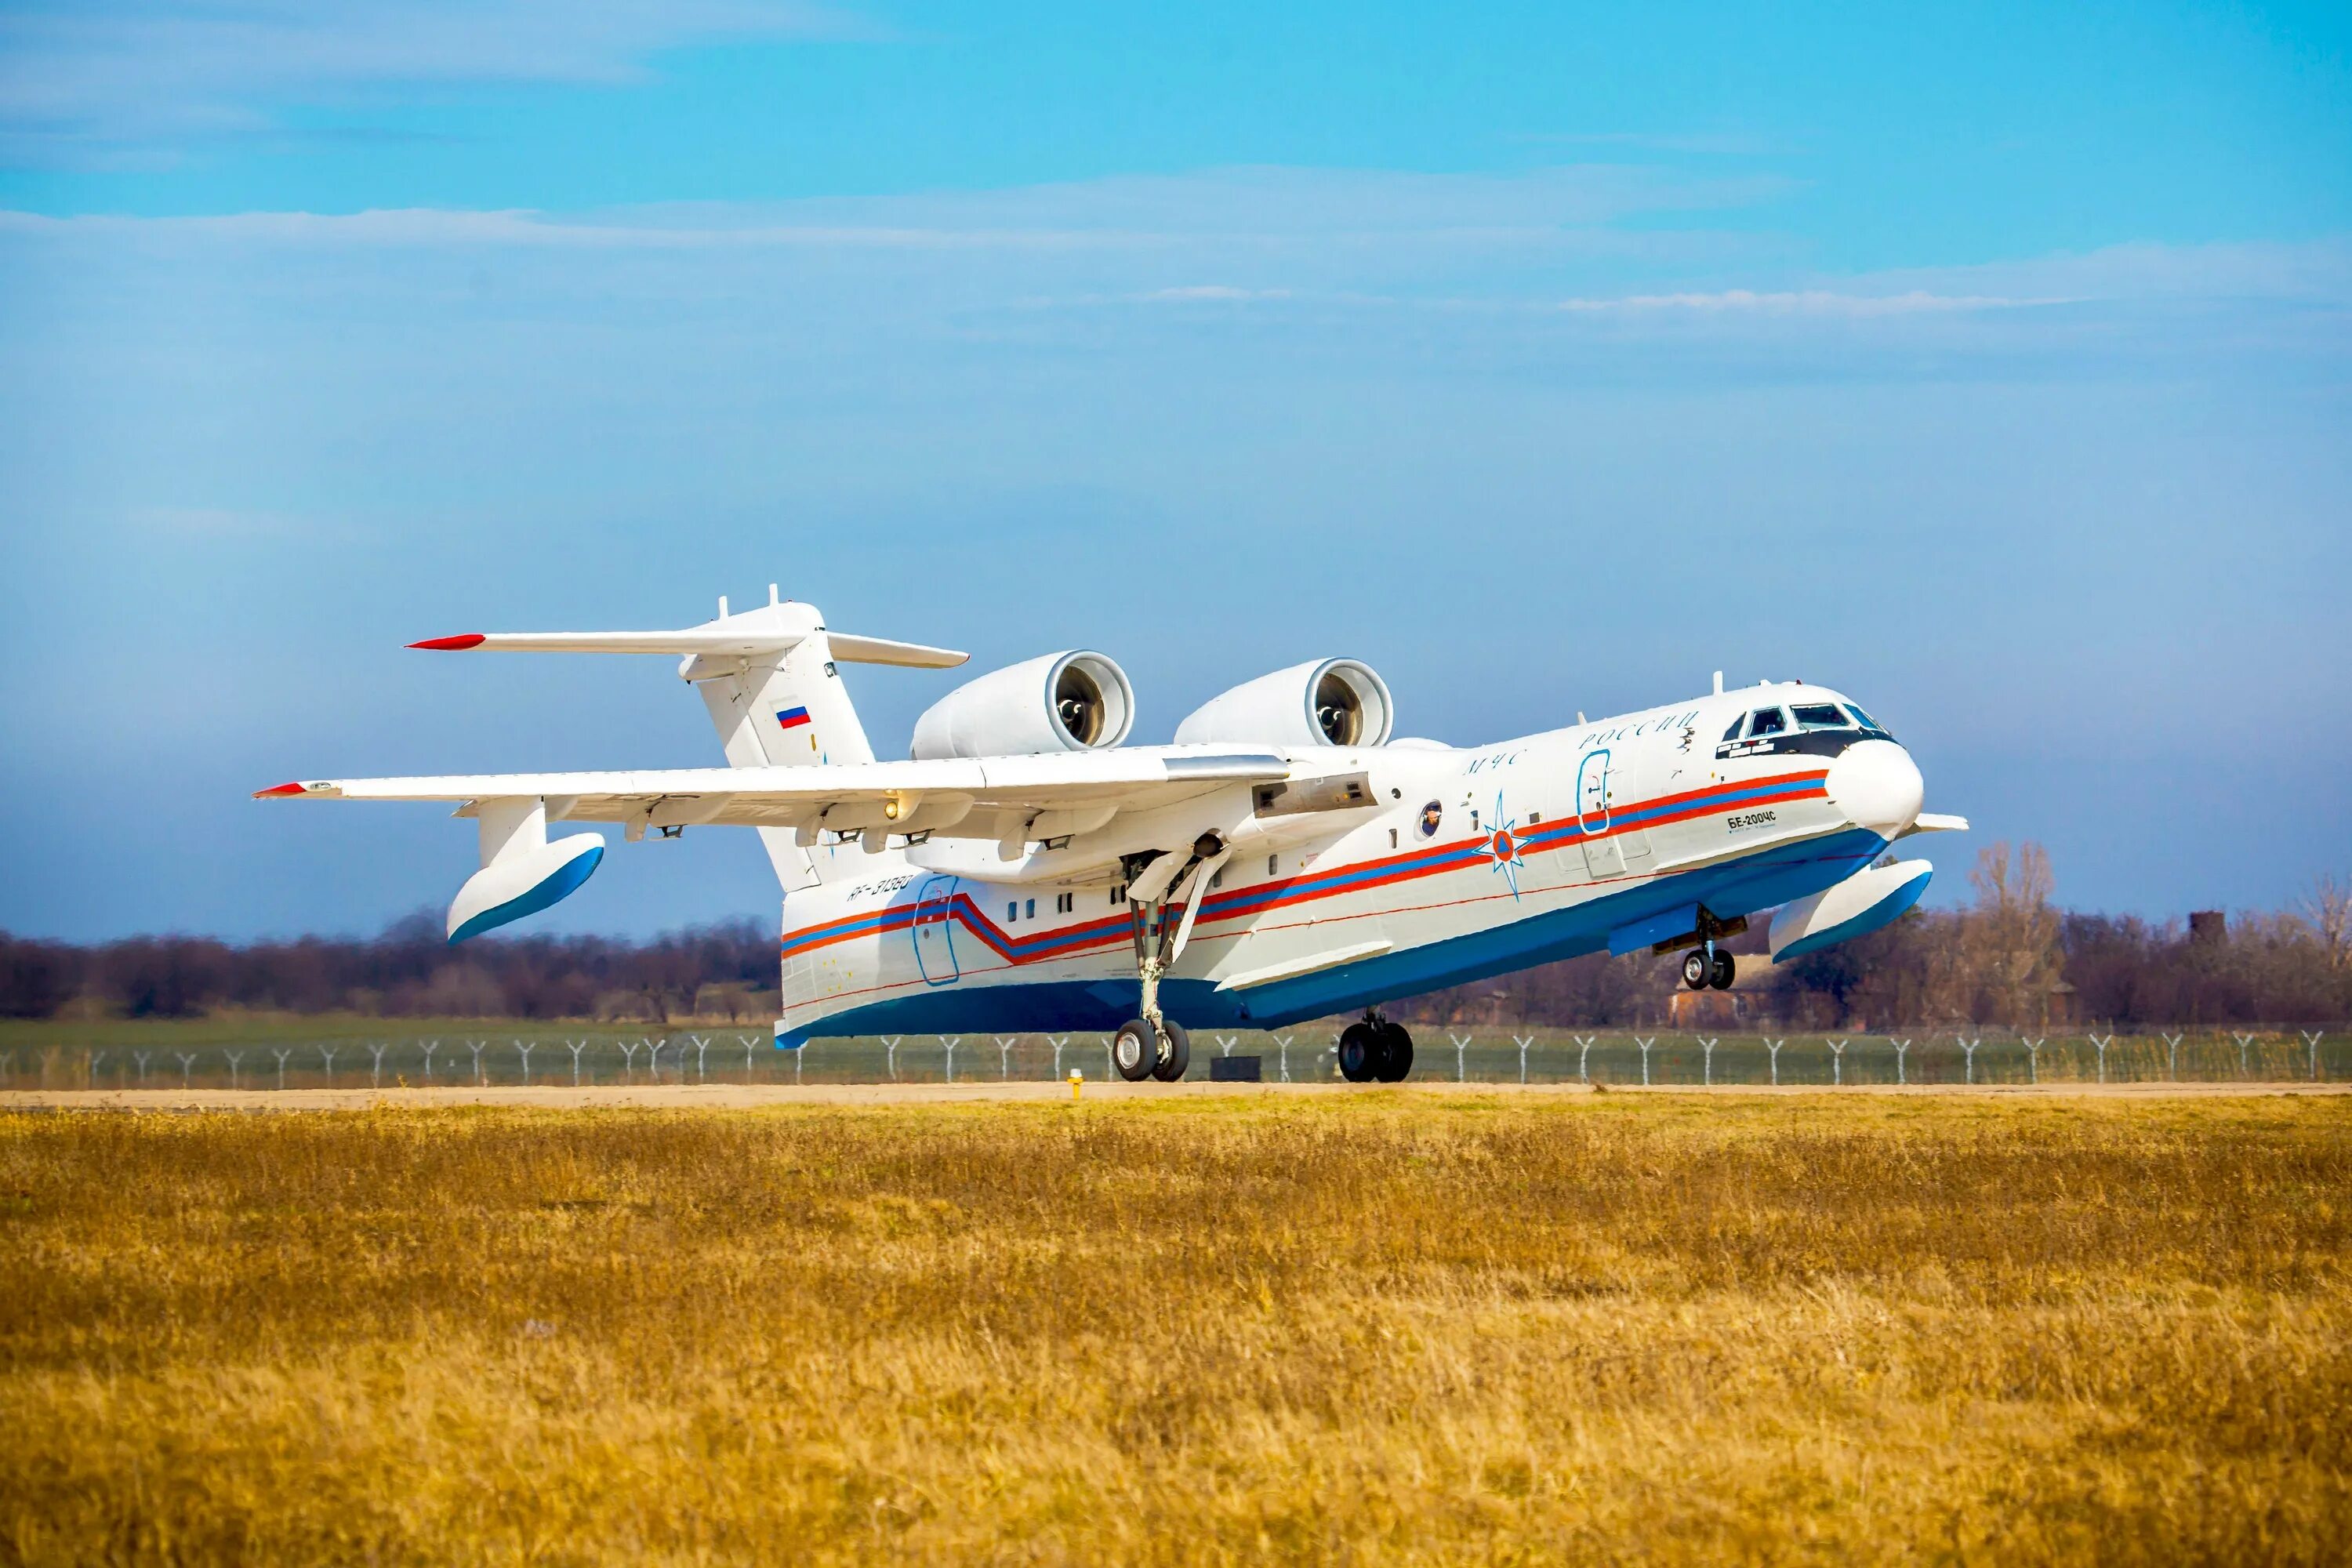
(731, 1097)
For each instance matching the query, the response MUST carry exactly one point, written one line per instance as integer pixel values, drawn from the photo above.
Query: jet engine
(1323, 702)
(1863, 902)
(1077, 701)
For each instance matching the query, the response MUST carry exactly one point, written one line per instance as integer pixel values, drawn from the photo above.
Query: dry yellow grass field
(1367, 1326)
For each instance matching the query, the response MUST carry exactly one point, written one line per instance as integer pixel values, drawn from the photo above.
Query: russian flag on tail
(791, 717)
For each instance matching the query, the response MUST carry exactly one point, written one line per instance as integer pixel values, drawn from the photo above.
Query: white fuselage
(1407, 866)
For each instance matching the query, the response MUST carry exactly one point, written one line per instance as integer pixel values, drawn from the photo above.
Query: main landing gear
(1141, 1052)
(1375, 1051)
(1155, 1045)
(1708, 965)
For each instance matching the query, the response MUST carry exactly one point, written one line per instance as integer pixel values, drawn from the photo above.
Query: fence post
(575, 1046)
(141, 1057)
(2033, 1057)
(1773, 1047)
(2312, 1038)
(653, 1056)
(234, 1057)
(1005, 1044)
(952, 1042)
(1225, 1044)
(524, 1051)
(1645, 1046)
(1282, 1043)
(1706, 1060)
(890, 1054)
(629, 1050)
(746, 1042)
(1523, 1042)
(1837, 1061)
(1584, 1043)
(475, 1046)
(328, 1055)
(1111, 1065)
(1057, 1042)
(1461, 1045)
(2172, 1056)
(97, 1060)
(2243, 1041)
(701, 1047)
(2102, 1042)
(187, 1061)
(375, 1072)
(1969, 1055)
(281, 1053)
(1902, 1050)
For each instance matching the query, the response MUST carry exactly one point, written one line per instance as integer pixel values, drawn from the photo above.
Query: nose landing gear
(1708, 965)
(1375, 1051)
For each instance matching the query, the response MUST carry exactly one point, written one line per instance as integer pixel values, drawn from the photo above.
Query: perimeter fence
(1617, 1058)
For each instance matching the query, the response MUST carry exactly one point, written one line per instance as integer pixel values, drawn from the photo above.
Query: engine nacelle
(1863, 902)
(1077, 701)
(1323, 702)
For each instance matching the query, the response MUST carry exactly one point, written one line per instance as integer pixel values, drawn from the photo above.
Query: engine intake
(1076, 701)
(1323, 702)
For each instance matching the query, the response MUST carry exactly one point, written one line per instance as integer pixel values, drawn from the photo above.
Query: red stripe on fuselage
(1306, 887)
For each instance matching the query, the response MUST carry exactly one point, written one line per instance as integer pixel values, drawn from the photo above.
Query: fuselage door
(934, 932)
(1603, 856)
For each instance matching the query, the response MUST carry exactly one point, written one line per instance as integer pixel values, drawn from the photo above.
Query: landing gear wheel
(1696, 969)
(1134, 1051)
(1723, 972)
(1396, 1054)
(1359, 1053)
(1180, 1053)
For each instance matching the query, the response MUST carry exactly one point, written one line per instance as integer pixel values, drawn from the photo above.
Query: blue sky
(1989, 362)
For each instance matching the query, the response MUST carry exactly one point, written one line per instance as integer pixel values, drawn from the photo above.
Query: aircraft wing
(949, 797)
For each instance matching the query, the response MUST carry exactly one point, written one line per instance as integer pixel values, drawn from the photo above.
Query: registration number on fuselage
(1751, 819)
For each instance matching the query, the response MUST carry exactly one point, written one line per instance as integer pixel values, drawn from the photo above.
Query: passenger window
(1767, 722)
(1032, 909)
(1821, 716)
(1012, 911)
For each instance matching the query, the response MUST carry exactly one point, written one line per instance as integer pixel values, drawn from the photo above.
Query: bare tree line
(408, 972)
(2011, 958)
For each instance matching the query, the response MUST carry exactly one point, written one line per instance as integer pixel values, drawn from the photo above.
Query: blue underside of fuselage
(1773, 876)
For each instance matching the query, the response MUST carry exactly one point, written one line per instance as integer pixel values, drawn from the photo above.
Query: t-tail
(768, 677)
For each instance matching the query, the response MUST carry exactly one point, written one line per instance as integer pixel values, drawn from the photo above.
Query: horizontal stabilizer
(717, 639)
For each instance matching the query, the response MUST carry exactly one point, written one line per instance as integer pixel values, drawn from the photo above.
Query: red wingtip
(278, 789)
(466, 640)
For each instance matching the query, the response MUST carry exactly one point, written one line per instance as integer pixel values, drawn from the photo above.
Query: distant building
(2207, 925)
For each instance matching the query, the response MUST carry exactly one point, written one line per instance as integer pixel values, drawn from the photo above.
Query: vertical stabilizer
(771, 680)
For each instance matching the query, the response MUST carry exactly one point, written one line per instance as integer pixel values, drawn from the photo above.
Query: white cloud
(1802, 302)
(105, 75)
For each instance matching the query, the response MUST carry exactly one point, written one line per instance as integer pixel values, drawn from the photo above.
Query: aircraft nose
(1875, 785)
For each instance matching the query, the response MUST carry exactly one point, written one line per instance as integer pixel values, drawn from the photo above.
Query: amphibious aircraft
(1286, 859)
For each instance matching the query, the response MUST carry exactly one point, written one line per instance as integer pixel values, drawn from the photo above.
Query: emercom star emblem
(1501, 845)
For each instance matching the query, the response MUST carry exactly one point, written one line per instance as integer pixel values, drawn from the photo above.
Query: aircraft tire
(1697, 970)
(1724, 971)
(1180, 1053)
(1396, 1054)
(1359, 1053)
(1133, 1050)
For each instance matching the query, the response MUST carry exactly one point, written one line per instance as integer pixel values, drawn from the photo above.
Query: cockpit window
(1821, 716)
(1767, 722)
(1733, 733)
(1864, 720)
